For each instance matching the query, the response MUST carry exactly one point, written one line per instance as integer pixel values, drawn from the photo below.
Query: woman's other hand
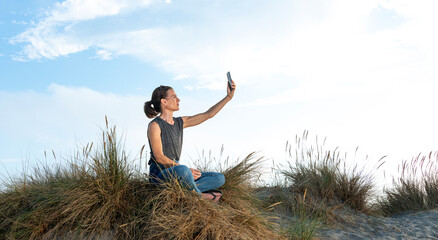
(230, 92)
(196, 173)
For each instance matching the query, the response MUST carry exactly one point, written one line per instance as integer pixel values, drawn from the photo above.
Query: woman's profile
(165, 136)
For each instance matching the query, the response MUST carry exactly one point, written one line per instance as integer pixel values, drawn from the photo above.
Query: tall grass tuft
(89, 197)
(326, 176)
(307, 224)
(101, 194)
(315, 183)
(416, 188)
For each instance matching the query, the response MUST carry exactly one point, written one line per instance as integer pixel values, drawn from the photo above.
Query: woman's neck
(167, 116)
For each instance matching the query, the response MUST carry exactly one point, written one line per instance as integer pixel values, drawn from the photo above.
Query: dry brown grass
(101, 194)
(178, 214)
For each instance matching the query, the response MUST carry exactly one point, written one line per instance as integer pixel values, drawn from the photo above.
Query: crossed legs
(207, 181)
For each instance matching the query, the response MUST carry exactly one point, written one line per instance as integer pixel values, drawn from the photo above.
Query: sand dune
(352, 225)
(415, 225)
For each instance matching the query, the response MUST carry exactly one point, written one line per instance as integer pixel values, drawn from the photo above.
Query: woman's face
(171, 102)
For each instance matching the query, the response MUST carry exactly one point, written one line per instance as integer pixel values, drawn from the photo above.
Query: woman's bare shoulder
(153, 125)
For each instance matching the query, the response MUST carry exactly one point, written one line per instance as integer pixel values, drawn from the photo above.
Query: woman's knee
(220, 179)
(182, 171)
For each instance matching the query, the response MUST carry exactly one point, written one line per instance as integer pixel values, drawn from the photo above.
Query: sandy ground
(353, 225)
(415, 225)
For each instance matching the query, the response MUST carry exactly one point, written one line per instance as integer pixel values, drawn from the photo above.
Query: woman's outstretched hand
(230, 92)
(196, 173)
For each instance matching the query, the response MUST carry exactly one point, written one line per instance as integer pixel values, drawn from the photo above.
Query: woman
(165, 135)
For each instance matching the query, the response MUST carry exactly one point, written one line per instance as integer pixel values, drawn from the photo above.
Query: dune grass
(100, 193)
(307, 222)
(91, 195)
(416, 189)
(314, 184)
(327, 177)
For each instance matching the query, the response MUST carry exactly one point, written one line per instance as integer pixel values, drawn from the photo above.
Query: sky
(358, 73)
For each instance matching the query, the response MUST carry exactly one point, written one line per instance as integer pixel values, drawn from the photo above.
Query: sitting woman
(165, 135)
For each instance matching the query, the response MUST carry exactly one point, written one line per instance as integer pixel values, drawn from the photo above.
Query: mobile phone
(229, 80)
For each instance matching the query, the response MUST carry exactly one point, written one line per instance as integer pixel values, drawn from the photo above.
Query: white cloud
(104, 54)
(336, 50)
(332, 56)
(79, 10)
(306, 93)
(181, 77)
(53, 36)
(202, 51)
(335, 43)
(45, 42)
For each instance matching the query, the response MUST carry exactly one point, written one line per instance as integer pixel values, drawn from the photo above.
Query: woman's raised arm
(202, 117)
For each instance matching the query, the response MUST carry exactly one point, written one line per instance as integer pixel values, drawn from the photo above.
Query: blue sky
(361, 73)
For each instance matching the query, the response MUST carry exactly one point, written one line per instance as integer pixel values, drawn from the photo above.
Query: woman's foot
(213, 195)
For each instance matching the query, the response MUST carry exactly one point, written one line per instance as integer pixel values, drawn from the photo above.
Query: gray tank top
(171, 140)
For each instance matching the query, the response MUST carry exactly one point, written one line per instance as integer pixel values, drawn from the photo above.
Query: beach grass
(314, 184)
(416, 189)
(326, 176)
(307, 222)
(100, 193)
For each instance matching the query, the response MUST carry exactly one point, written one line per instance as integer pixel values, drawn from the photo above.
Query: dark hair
(153, 107)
